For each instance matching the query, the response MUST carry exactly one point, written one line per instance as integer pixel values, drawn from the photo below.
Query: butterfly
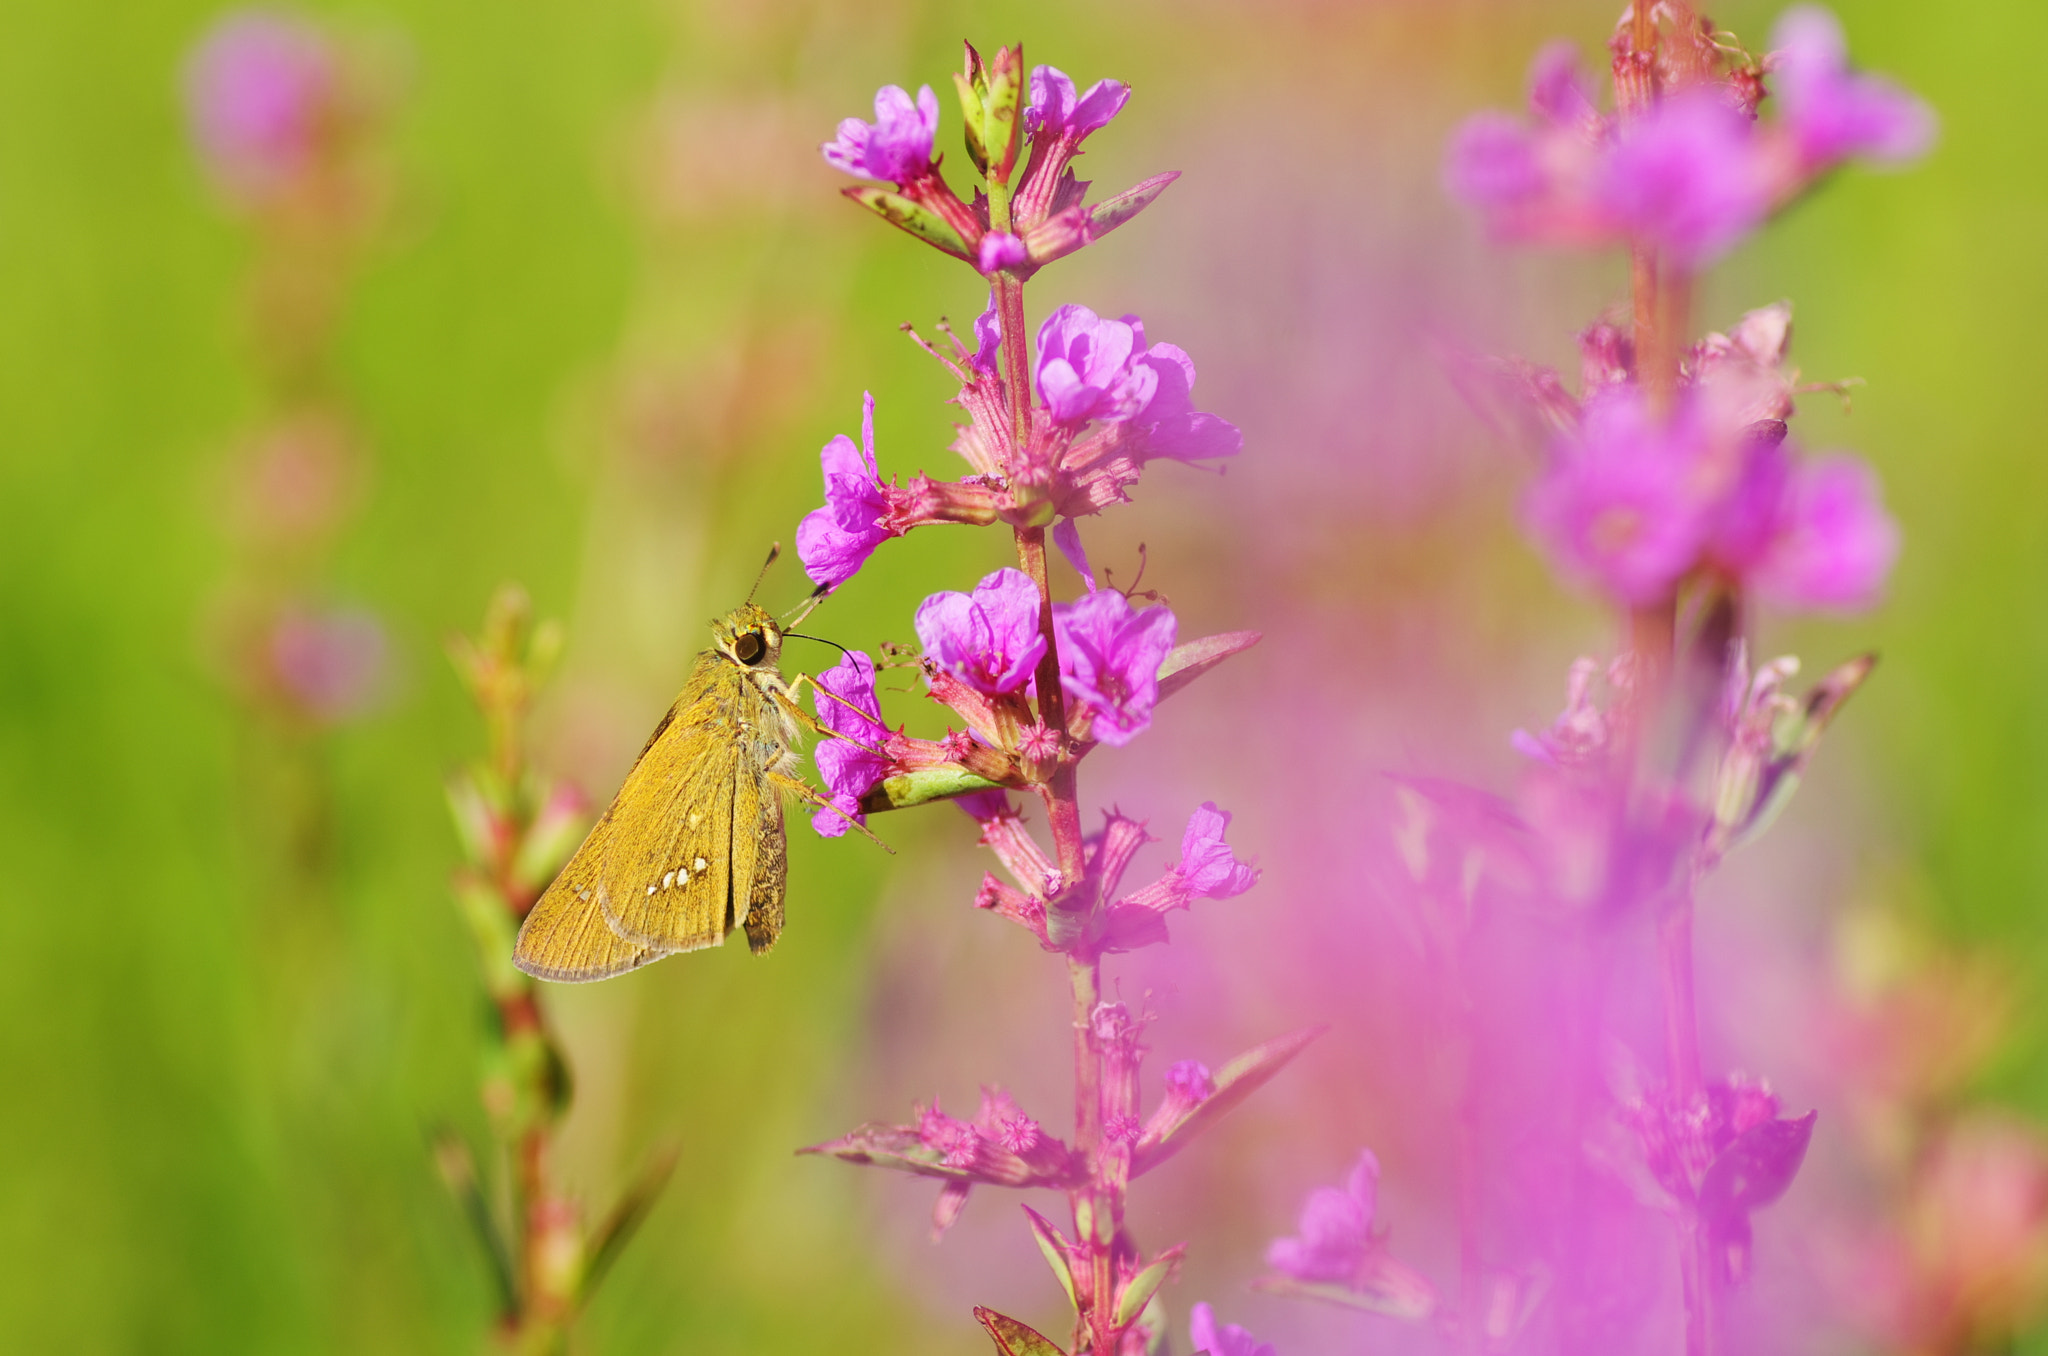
(693, 845)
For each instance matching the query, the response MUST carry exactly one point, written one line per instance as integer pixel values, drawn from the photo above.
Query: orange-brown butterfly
(693, 844)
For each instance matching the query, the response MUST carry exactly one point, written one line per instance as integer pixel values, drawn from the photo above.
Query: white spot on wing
(668, 880)
(651, 889)
(699, 864)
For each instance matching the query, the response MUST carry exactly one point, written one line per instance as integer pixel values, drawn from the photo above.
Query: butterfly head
(749, 637)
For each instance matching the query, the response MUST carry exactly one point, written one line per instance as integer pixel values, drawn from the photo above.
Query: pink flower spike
(1619, 505)
(1335, 1229)
(991, 638)
(1837, 544)
(1228, 1340)
(897, 146)
(835, 541)
(258, 89)
(1689, 178)
(1110, 655)
(1832, 112)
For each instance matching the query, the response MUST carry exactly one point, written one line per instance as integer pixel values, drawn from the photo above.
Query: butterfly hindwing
(566, 938)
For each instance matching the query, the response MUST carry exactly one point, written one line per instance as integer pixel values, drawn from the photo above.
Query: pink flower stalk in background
(329, 665)
(1226, 1340)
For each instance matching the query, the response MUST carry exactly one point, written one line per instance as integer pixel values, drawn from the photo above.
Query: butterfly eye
(749, 647)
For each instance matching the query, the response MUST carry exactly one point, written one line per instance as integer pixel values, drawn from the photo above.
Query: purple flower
(1208, 868)
(1495, 164)
(835, 541)
(1055, 110)
(990, 638)
(1688, 178)
(1085, 368)
(1835, 543)
(1335, 1229)
(1618, 503)
(897, 146)
(331, 665)
(1833, 113)
(1228, 1340)
(1067, 536)
(846, 705)
(986, 805)
(1109, 661)
(1173, 426)
(257, 89)
(988, 334)
(1557, 86)
(1001, 250)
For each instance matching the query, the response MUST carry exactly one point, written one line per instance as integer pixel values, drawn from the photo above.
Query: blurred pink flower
(329, 664)
(1687, 179)
(1334, 1233)
(1833, 113)
(1228, 1340)
(259, 90)
(1835, 545)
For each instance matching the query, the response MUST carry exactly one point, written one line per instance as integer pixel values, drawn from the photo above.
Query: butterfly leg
(797, 786)
(816, 726)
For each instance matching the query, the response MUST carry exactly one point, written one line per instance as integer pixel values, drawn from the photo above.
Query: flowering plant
(1669, 483)
(1038, 684)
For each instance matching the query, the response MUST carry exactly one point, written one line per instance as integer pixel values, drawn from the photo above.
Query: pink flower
(1688, 178)
(846, 705)
(990, 638)
(331, 665)
(1228, 1340)
(1054, 110)
(1334, 1233)
(1833, 113)
(897, 146)
(259, 89)
(1208, 868)
(835, 541)
(1001, 250)
(1835, 544)
(1171, 424)
(1618, 504)
(1085, 367)
(1110, 655)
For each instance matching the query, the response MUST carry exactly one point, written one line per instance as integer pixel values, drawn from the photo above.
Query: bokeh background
(609, 308)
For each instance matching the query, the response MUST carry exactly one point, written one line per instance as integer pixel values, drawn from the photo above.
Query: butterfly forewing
(566, 939)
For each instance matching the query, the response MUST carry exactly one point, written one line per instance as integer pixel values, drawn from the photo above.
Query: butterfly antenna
(774, 550)
(797, 635)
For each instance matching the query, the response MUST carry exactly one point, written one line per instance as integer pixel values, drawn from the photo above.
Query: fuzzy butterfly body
(693, 844)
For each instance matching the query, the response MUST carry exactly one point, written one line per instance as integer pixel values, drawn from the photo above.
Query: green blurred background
(213, 1131)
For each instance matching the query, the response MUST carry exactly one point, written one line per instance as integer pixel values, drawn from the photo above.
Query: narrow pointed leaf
(1054, 1246)
(904, 214)
(458, 1171)
(1235, 1081)
(1781, 777)
(922, 787)
(1111, 213)
(1392, 1288)
(1014, 1338)
(610, 1237)
(1143, 1286)
(970, 119)
(1185, 663)
(1002, 127)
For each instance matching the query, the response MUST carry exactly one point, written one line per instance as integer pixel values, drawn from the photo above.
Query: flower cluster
(1032, 684)
(1638, 503)
(1698, 170)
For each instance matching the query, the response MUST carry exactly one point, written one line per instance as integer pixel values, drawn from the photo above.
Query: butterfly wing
(666, 875)
(565, 937)
(771, 871)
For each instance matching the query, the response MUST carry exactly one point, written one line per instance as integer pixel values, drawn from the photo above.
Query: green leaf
(1141, 1287)
(1054, 1246)
(923, 786)
(1014, 1338)
(617, 1229)
(458, 1171)
(906, 215)
(1111, 213)
(1185, 663)
(971, 112)
(1002, 129)
(1235, 1081)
